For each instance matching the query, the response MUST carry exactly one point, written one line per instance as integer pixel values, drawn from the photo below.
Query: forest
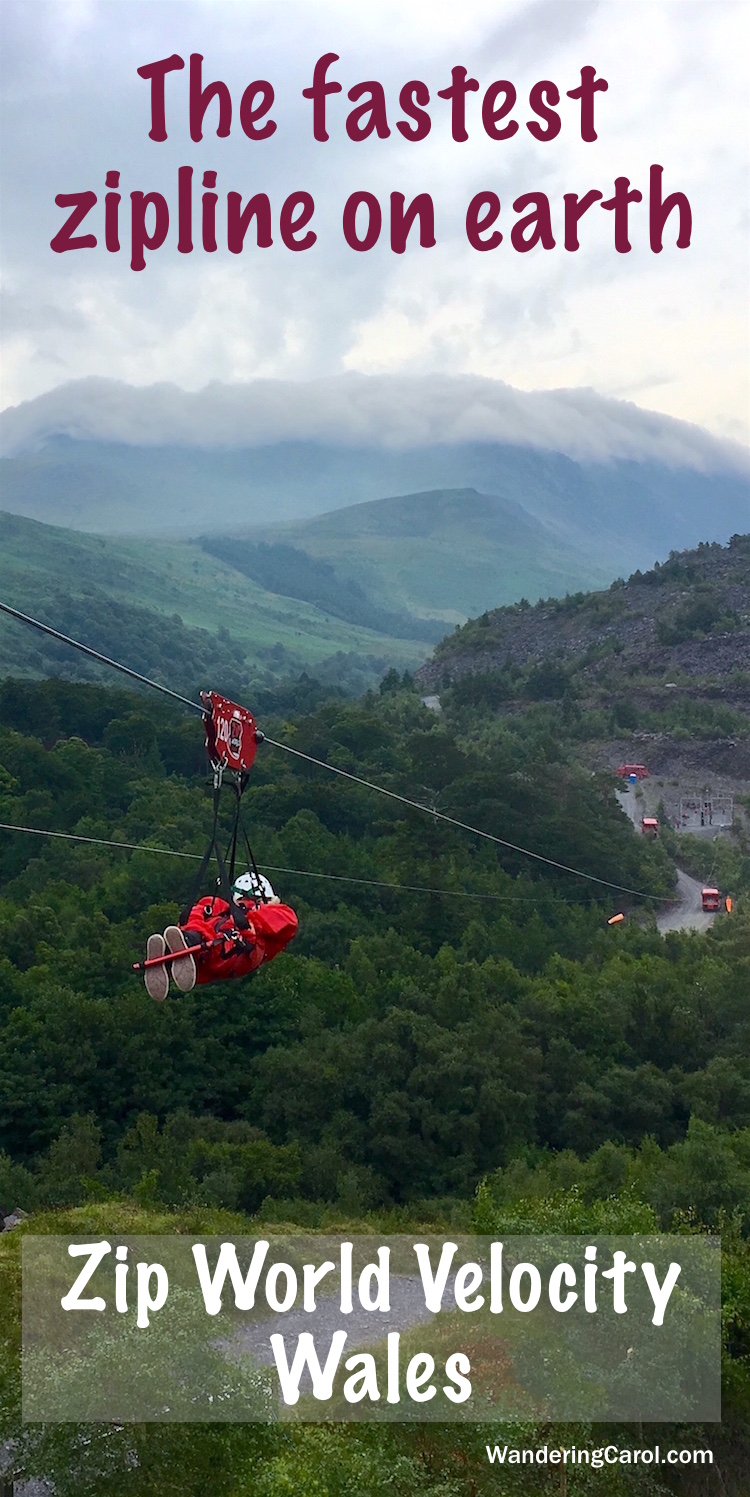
(285, 570)
(456, 1037)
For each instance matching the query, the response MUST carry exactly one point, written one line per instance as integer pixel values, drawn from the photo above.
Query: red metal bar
(173, 956)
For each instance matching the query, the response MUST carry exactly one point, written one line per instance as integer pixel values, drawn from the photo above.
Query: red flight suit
(240, 952)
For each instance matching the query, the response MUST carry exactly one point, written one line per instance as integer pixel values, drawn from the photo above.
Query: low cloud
(390, 411)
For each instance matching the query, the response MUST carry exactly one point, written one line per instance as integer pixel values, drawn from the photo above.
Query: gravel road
(689, 913)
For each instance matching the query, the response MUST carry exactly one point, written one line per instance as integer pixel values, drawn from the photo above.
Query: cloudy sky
(668, 331)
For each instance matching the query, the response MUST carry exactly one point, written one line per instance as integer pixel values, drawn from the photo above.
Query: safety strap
(239, 826)
(225, 885)
(251, 860)
(232, 849)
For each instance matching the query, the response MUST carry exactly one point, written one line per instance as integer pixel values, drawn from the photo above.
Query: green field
(174, 581)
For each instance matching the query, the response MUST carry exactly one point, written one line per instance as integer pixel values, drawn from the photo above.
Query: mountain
(390, 506)
(446, 554)
(621, 512)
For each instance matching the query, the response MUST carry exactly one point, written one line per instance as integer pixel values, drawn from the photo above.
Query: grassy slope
(447, 554)
(176, 577)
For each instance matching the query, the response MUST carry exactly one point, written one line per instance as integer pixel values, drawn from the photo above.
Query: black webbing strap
(239, 826)
(251, 857)
(197, 883)
(225, 885)
(232, 849)
(252, 862)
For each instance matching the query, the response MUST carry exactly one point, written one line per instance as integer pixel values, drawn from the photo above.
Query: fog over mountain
(391, 412)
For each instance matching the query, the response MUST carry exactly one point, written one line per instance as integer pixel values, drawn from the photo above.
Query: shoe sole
(156, 978)
(184, 971)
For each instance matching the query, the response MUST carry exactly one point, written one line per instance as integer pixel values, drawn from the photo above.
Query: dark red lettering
(574, 211)
(295, 215)
(319, 91)
(250, 111)
(460, 86)
(112, 214)
(619, 204)
(401, 222)
(542, 94)
(374, 221)
(81, 203)
(370, 116)
(411, 95)
(201, 97)
(208, 223)
(140, 238)
(539, 222)
(482, 212)
(659, 211)
(157, 72)
(491, 114)
(185, 209)
(238, 221)
(589, 85)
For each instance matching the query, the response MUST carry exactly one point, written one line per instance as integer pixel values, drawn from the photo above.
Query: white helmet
(253, 886)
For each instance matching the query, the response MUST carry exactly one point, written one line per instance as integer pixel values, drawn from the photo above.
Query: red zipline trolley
(232, 735)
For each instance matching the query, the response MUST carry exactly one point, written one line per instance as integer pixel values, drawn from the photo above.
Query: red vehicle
(710, 899)
(650, 826)
(640, 770)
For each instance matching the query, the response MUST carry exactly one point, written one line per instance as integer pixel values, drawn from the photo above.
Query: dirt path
(689, 913)
(632, 806)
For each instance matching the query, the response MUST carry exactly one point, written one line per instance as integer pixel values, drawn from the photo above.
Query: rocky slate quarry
(663, 658)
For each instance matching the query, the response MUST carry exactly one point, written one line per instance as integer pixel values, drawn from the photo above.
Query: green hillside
(179, 609)
(446, 554)
(346, 596)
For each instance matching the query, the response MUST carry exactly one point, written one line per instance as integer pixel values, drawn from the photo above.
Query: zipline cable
(65, 639)
(321, 763)
(463, 825)
(338, 878)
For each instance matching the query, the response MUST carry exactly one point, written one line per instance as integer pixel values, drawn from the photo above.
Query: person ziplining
(217, 940)
(229, 934)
